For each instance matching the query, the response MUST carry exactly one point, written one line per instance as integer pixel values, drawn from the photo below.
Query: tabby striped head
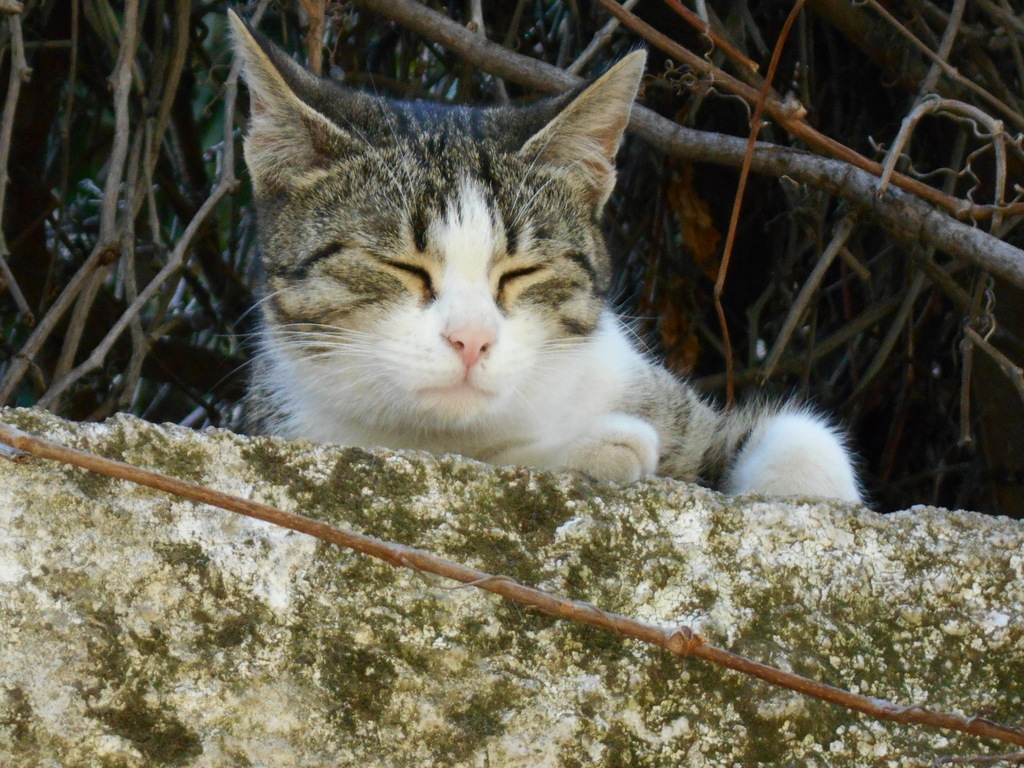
(435, 256)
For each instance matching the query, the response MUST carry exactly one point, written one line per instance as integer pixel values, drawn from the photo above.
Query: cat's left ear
(584, 137)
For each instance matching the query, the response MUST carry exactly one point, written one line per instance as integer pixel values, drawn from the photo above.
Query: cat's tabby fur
(436, 279)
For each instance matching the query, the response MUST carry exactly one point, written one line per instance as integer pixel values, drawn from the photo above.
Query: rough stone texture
(138, 629)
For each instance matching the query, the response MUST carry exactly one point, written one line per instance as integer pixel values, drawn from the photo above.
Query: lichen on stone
(145, 630)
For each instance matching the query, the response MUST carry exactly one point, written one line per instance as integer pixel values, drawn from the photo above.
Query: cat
(436, 278)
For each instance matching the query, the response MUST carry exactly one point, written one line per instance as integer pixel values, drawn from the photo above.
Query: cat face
(449, 320)
(427, 264)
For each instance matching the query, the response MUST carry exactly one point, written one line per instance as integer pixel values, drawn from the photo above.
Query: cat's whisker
(638, 339)
(258, 304)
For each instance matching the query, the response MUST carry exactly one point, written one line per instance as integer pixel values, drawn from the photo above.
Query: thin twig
(1015, 758)
(945, 48)
(892, 336)
(598, 41)
(789, 116)
(859, 325)
(1004, 13)
(807, 291)
(947, 69)
(701, 24)
(1011, 370)
(19, 74)
(131, 375)
(169, 86)
(476, 15)
(513, 27)
(227, 183)
(24, 359)
(65, 122)
(174, 263)
(681, 641)
(9, 282)
(934, 104)
(315, 9)
(966, 377)
(122, 82)
(108, 234)
(903, 213)
(734, 218)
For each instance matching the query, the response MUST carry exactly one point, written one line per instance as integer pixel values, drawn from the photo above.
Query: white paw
(794, 454)
(620, 449)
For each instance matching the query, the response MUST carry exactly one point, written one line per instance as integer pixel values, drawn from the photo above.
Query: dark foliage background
(119, 148)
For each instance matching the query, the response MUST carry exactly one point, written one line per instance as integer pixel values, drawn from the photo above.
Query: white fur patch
(466, 236)
(794, 453)
(467, 240)
(620, 449)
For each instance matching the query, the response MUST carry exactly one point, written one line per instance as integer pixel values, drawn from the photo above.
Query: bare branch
(600, 39)
(7, 280)
(174, 263)
(947, 70)
(1012, 371)
(700, 23)
(19, 73)
(904, 214)
(809, 288)
(755, 128)
(1016, 758)
(122, 82)
(315, 10)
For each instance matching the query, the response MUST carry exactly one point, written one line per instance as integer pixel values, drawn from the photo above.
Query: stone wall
(137, 629)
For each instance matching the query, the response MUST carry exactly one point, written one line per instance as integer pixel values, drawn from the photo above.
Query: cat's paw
(794, 454)
(620, 449)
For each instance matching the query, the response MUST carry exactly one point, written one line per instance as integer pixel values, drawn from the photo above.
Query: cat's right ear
(288, 142)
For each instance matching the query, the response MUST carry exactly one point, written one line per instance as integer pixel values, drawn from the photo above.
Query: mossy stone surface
(137, 629)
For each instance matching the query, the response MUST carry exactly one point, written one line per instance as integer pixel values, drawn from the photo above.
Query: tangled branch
(849, 176)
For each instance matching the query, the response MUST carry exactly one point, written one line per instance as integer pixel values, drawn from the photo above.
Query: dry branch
(904, 214)
(681, 641)
(19, 74)
(705, 29)
(737, 205)
(946, 68)
(807, 290)
(83, 287)
(600, 39)
(173, 265)
(1016, 758)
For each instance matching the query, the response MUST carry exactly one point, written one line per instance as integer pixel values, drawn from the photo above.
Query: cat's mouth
(462, 394)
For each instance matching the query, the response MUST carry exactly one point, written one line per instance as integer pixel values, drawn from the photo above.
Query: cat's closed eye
(422, 276)
(510, 276)
(320, 254)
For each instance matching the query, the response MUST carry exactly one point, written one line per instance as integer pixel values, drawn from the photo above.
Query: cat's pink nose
(471, 343)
